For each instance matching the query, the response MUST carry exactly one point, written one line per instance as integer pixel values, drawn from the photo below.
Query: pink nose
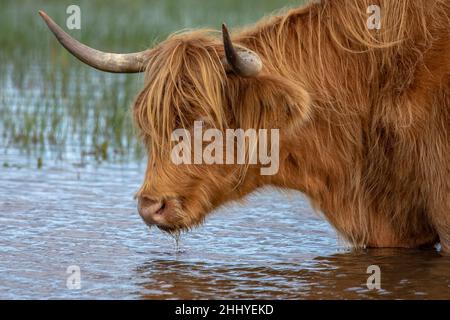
(151, 211)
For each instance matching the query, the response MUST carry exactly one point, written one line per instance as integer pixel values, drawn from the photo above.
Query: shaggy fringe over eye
(184, 79)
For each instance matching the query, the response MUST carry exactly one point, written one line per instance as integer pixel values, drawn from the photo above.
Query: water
(70, 165)
(274, 246)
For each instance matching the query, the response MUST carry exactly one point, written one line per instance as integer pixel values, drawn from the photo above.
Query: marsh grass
(53, 107)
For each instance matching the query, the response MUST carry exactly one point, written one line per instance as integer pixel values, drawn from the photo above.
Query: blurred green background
(52, 107)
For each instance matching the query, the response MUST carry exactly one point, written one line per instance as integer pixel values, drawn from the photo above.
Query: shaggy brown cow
(364, 116)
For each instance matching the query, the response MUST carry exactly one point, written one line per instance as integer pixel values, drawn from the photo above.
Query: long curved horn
(109, 62)
(242, 61)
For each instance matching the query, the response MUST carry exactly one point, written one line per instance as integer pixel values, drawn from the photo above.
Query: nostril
(150, 209)
(161, 209)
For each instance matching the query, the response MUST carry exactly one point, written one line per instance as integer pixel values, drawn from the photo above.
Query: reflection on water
(272, 247)
(405, 275)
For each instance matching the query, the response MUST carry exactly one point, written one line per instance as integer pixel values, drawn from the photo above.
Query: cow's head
(197, 77)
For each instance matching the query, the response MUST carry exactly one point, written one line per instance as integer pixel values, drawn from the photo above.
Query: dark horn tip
(224, 28)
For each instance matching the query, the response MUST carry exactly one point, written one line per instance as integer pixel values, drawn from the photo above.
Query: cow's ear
(268, 102)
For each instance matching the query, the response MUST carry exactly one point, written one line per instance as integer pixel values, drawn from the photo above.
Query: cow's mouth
(169, 229)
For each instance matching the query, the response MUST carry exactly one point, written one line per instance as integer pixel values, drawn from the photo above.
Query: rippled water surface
(272, 247)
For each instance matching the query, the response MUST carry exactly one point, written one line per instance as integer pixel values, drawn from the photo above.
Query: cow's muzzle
(152, 211)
